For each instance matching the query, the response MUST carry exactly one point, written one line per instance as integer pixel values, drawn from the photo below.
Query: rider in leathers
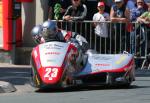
(49, 31)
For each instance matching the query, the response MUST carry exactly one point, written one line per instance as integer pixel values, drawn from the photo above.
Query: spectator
(137, 30)
(61, 5)
(136, 12)
(77, 11)
(119, 12)
(145, 19)
(101, 16)
(108, 4)
(101, 29)
(119, 17)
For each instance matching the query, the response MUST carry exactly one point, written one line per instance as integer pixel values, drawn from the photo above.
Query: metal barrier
(130, 37)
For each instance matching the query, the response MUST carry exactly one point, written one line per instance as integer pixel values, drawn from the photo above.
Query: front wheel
(32, 75)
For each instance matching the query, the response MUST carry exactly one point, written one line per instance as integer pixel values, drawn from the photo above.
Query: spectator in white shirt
(101, 29)
(100, 17)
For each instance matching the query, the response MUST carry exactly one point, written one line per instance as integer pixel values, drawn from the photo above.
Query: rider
(50, 32)
(36, 33)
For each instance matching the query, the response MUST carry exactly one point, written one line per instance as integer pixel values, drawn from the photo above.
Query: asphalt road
(139, 92)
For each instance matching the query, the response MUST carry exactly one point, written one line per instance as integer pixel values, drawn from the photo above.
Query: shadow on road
(89, 88)
(142, 73)
(16, 76)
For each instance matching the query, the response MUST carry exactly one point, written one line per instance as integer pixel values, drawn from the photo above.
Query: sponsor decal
(102, 58)
(53, 46)
(102, 64)
(122, 58)
(52, 53)
(51, 60)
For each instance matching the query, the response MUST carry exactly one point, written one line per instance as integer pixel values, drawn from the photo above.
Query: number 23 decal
(51, 73)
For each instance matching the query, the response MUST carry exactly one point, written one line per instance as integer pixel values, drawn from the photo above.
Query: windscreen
(53, 53)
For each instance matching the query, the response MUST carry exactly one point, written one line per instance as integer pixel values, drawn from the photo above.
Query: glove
(82, 42)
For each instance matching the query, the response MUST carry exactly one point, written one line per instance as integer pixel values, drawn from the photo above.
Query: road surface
(139, 92)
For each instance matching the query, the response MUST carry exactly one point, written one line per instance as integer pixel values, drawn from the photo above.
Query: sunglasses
(101, 7)
(118, 2)
(75, 0)
(139, 2)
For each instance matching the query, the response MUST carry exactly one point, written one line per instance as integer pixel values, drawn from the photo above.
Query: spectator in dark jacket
(118, 12)
(77, 11)
(119, 17)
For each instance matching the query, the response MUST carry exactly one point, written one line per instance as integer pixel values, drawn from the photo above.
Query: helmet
(49, 30)
(36, 33)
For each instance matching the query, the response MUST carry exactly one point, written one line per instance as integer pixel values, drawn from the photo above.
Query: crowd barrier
(131, 37)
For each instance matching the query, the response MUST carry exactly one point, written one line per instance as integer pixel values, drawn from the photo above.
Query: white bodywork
(103, 62)
(53, 53)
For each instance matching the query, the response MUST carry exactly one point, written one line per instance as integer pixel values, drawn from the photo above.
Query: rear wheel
(127, 85)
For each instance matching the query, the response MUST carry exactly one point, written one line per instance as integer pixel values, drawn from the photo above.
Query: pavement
(13, 66)
(7, 87)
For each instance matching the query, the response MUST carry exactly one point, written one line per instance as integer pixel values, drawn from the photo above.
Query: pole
(13, 51)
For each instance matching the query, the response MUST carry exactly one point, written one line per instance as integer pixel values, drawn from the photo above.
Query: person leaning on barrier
(119, 12)
(119, 18)
(145, 19)
(138, 10)
(77, 11)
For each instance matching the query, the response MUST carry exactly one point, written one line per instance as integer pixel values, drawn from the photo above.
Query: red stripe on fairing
(36, 58)
(66, 56)
(122, 69)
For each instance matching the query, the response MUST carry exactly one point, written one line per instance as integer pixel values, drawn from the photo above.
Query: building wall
(32, 14)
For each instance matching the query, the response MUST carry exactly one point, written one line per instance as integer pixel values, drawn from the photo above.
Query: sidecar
(108, 69)
(51, 67)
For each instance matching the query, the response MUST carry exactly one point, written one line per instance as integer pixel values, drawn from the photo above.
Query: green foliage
(57, 9)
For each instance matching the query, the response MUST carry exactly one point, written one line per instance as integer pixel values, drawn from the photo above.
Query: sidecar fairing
(111, 69)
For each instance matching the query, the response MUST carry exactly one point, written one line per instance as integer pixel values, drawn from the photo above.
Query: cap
(118, 0)
(101, 4)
